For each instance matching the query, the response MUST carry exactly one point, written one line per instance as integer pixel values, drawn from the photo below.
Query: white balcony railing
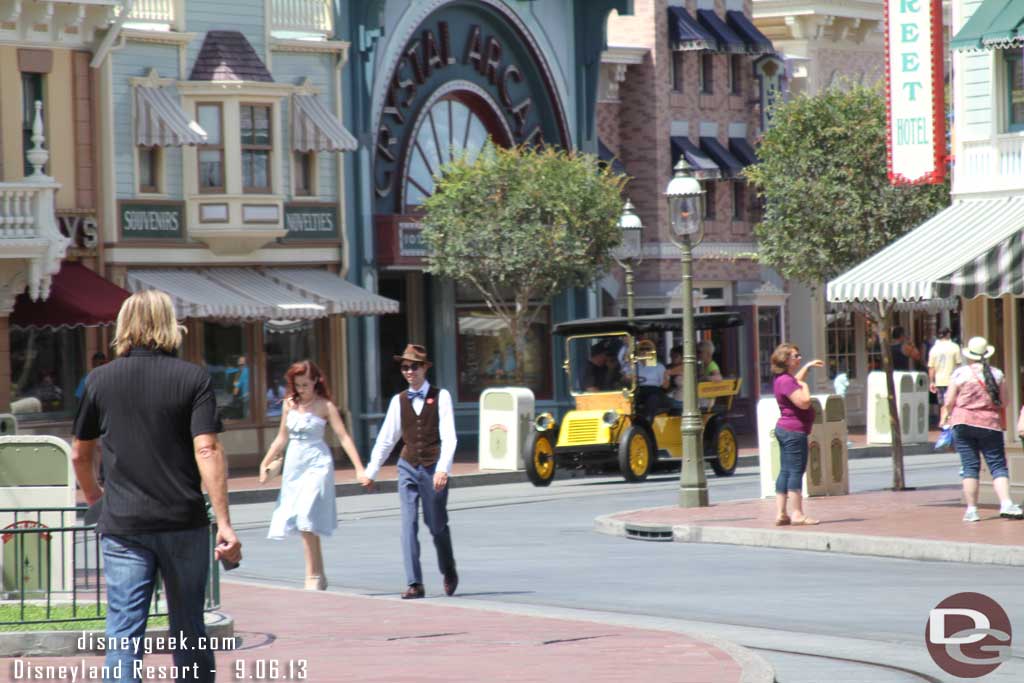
(303, 16)
(306, 17)
(154, 11)
(166, 14)
(993, 165)
(28, 219)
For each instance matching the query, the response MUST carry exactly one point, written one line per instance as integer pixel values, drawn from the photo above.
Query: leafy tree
(521, 225)
(828, 201)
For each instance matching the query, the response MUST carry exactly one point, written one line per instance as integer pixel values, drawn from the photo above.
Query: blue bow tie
(416, 394)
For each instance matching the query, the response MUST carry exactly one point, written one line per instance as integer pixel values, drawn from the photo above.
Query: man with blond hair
(156, 416)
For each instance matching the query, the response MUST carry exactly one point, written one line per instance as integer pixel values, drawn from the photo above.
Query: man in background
(943, 359)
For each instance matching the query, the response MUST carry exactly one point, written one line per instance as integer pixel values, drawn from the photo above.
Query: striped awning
(730, 165)
(995, 24)
(704, 167)
(727, 39)
(160, 121)
(337, 294)
(315, 129)
(972, 248)
(481, 326)
(259, 294)
(685, 33)
(757, 43)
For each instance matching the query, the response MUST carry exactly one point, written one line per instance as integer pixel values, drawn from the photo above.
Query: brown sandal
(806, 521)
(783, 520)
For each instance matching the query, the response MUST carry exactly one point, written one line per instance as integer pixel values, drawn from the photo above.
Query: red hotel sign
(916, 132)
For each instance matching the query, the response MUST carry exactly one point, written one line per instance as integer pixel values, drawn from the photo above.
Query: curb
(848, 544)
(269, 495)
(65, 643)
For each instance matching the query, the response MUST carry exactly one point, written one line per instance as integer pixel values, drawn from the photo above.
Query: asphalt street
(816, 617)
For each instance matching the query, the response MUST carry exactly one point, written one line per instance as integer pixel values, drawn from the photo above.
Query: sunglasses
(411, 367)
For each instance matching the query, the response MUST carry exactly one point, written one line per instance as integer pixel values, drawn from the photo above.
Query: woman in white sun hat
(975, 403)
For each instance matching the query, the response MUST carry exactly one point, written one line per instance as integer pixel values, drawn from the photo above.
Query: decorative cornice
(152, 80)
(139, 35)
(311, 46)
(624, 54)
(222, 88)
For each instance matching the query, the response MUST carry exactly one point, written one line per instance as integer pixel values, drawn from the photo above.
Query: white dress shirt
(391, 430)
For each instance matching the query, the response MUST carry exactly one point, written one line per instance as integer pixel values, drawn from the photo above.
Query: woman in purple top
(791, 430)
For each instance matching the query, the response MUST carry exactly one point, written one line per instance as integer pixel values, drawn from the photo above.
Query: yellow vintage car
(617, 419)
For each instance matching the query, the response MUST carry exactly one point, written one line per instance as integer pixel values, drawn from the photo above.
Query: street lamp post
(630, 251)
(686, 213)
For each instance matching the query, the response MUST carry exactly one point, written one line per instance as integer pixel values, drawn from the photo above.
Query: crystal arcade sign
(916, 135)
(465, 50)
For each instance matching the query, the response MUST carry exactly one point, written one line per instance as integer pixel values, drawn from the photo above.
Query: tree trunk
(885, 324)
(518, 331)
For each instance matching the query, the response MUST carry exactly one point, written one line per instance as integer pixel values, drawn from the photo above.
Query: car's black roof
(648, 323)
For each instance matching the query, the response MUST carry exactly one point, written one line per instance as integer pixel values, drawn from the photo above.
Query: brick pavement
(916, 524)
(927, 513)
(341, 638)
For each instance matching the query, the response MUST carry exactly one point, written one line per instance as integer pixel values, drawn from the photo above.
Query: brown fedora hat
(414, 353)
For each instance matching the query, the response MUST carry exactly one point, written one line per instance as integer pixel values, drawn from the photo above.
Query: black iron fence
(52, 569)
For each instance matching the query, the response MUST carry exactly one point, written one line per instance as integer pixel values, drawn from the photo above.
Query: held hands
(366, 482)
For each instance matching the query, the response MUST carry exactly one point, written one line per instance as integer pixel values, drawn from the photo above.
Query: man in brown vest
(425, 421)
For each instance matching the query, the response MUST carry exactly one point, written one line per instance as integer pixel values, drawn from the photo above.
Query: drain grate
(649, 533)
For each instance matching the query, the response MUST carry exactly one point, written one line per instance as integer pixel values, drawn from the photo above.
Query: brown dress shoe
(414, 591)
(451, 582)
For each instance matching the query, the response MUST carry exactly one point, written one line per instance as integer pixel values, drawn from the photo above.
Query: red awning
(78, 297)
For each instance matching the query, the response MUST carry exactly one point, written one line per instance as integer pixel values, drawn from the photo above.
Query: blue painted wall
(293, 68)
(136, 60)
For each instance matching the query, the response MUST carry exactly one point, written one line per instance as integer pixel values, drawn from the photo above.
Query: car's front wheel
(539, 458)
(636, 453)
(723, 450)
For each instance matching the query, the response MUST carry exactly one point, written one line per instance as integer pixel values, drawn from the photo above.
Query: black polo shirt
(146, 407)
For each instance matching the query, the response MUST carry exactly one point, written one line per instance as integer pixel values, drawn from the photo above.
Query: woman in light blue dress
(306, 503)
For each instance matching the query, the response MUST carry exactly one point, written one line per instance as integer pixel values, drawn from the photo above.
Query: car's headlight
(610, 418)
(544, 422)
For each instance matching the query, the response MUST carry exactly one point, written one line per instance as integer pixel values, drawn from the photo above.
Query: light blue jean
(969, 441)
(792, 460)
(130, 565)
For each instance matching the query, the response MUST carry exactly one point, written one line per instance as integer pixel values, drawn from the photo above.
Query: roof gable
(228, 56)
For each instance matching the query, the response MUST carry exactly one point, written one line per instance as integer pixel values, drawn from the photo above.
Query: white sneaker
(1011, 512)
(971, 516)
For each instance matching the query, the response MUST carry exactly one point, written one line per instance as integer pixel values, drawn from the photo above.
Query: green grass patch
(11, 612)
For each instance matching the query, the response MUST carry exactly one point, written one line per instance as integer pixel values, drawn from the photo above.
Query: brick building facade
(690, 89)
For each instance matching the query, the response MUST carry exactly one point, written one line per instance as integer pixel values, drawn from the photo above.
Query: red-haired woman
(306, 503)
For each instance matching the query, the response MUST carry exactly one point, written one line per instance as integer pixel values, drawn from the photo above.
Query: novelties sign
(916, 143)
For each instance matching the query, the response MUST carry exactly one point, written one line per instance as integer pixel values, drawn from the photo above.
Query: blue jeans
(130, 564)
(969, 441)
(792, 460)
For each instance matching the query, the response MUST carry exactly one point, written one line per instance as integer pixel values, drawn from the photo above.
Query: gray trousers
(416, 484)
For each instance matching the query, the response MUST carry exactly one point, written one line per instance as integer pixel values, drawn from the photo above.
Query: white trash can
(506, 418)
(834, 451)
(911, 404)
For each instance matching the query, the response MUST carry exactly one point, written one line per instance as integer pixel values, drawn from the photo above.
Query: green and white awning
(995, 24)
(972, 248)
